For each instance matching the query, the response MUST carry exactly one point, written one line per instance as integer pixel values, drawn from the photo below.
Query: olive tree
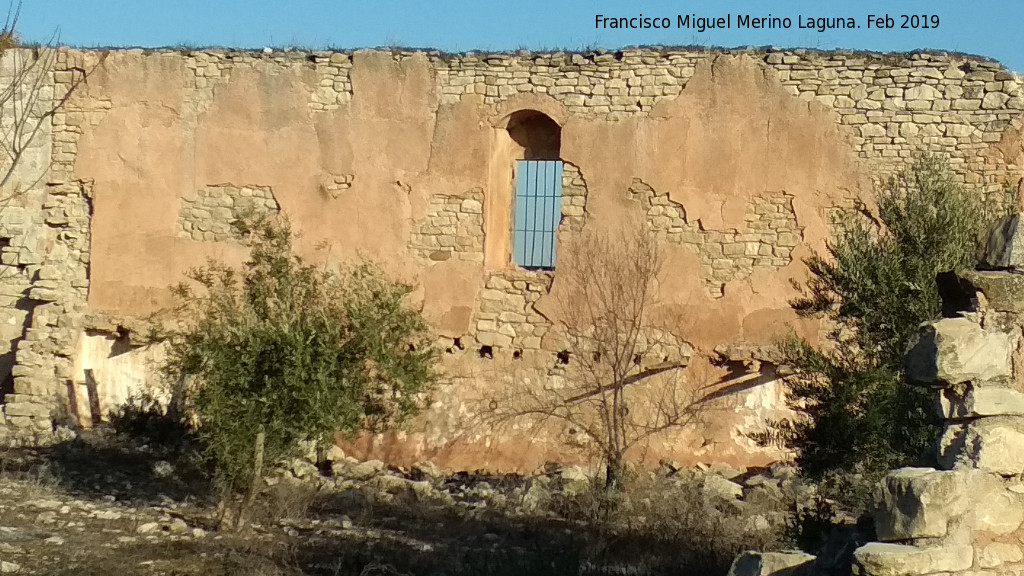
(281, 351)
(855, 412)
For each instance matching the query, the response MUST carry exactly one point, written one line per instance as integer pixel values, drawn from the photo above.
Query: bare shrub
(27, 104)
(622, 382)
(670, 525)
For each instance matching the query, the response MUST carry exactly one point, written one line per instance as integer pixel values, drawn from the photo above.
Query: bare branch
(623, 384)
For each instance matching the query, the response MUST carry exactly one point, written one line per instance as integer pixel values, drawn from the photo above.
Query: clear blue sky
(987, 27)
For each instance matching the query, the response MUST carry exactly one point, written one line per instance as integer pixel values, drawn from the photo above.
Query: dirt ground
(104, 504)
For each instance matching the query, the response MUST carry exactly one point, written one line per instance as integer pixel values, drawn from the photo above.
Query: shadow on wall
(538, 135)
(20, 318)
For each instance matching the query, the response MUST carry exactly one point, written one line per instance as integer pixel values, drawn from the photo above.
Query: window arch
(537, 177)
(537, 135)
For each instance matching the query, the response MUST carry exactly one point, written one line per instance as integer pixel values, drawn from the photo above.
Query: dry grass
(678, 529)
(658, 527)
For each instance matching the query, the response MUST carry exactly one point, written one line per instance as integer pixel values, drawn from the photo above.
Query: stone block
(956, 350)
(995, 508)
(998, 553)
(27, 409)
(975, 401)
(881, 559)
(772, 564)
(19, 422)
(494, 339)
(1003, 244)
(44, 295)
(994, 444)
(919, 503)
(1003, 290)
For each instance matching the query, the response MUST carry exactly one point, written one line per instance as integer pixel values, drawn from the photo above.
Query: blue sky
(987, 27)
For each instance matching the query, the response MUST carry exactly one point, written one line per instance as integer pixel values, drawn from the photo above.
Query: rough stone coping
(614, 54)
(882, 559)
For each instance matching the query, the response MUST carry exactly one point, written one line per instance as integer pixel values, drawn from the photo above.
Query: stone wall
(895, 104)
(391, 153)
(766, 243)
(452, 228)
(966, 516)
(216, 212)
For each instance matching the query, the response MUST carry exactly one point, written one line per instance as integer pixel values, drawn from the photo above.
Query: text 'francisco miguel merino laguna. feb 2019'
(747, 21)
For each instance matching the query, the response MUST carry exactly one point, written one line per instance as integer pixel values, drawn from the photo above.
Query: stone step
(882, 559)
(994, 444)
(980, 400)
(915, 503)
(957, 350)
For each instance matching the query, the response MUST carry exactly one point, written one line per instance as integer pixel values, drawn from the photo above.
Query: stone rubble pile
(757, 498)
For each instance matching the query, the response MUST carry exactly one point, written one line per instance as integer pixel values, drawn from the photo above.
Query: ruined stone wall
(966, 515)
(895, 104)
(215, 213)
(734, 159)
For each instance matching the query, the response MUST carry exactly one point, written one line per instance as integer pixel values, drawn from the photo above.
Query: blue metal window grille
(538, 211)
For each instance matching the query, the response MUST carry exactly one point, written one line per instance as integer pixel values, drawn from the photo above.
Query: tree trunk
(613, 472)
(223, 510)
(176, 406)
(254, 484)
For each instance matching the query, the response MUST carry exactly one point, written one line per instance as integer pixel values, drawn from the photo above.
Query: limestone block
(921, 92)
(494, 339)
(979, 400)
(44, 295)
(994, 444)
(19, 422)
(919, 503)
(1003, 290)
(881, 559)
(924, 503)
(28, 409)
(1003, 244)
(771, 564)
(955, 350)
(997, 554)
(994, 508)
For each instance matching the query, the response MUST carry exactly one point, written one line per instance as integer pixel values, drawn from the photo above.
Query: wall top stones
(891, 105)
(631, 54)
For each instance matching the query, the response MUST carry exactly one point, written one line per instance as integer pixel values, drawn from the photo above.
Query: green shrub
(283, 352)
(875, 286)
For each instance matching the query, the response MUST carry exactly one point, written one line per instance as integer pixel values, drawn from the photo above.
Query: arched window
(537, 208)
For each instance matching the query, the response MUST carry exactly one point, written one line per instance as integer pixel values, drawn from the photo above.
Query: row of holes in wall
(486, 351)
